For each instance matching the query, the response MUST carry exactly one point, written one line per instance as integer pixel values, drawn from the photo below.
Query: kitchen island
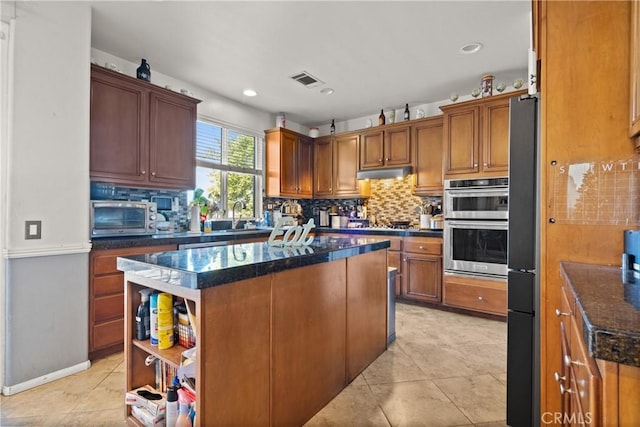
(280, 331)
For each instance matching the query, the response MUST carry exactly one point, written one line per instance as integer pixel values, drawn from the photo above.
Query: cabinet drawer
(108, 307)
(104, 261)
(586, 373)
(486, 296)
(106, 285)
(423, 245)
(108, 333)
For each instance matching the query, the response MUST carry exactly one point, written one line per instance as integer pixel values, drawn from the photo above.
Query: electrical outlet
(32, 230)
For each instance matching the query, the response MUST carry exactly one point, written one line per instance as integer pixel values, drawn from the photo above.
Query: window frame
(225, 168)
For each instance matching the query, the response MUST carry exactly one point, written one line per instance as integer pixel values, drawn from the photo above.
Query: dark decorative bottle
(406, 111)
(381, 118)
(144, 71)
(333, 127)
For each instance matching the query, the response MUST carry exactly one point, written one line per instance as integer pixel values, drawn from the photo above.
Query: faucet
(233, 212)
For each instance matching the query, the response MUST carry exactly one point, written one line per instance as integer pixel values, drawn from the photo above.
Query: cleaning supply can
(153, 318)
(172, 410)
(165, 321)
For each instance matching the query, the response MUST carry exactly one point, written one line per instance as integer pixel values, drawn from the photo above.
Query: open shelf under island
(280, 331)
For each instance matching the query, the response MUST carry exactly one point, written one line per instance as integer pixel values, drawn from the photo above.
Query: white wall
(213, 106)
(49, 148)
(358, 123)
(45, 171)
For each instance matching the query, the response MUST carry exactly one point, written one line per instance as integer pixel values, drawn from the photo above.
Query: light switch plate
(32, 230)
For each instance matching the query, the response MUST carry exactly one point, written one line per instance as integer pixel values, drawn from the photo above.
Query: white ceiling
(379, 54)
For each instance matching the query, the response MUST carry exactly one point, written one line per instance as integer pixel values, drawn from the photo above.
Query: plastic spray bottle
(143, 316)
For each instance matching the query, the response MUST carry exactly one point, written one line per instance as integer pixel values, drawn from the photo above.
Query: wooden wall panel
(584, 100)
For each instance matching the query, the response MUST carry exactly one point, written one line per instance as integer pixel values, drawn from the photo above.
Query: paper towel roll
(195, 219)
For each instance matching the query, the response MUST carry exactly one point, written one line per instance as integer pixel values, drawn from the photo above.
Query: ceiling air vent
(306, 79)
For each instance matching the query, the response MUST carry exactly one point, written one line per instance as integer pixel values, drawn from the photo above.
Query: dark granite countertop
(217, 265)
(611, 311)
(230, 236)
(382, 232)
(176, 238)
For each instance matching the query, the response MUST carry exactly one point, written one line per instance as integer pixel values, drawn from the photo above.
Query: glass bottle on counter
(333, 127)
(381, 118)
(406, 111)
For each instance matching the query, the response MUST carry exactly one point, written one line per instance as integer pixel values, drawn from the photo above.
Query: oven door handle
(489, 225)
(475, 193)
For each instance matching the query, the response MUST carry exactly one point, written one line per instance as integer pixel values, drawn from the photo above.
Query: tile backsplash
(392, 200)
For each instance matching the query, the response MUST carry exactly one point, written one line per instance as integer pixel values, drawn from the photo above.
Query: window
(229, 168)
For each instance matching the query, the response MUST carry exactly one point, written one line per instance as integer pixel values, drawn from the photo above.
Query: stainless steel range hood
(384, 173)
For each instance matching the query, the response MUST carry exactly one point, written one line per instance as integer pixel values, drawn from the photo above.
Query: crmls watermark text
(561, 418)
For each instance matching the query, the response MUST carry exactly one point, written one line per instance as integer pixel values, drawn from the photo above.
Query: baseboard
(10, 390)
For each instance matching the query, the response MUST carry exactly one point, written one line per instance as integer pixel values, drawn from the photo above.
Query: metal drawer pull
(421, 247)
(480, 298)
(564, 390)
(568, 361)
(559, 377)
(560, 313)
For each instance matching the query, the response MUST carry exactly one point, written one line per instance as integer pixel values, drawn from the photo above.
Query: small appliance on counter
(111, 218)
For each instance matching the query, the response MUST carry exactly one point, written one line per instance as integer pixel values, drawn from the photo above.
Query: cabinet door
(172, 142)
(495, 136)
(372, 149)
(427, 141)
(422, 277)
(118, 136)
(634, 130)
(323, 170)
(305, 167)
(288, 164)
(397, 149)
(345, 162)
(461, 141)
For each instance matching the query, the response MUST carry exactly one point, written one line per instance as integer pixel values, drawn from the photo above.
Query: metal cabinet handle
(387, 159)
(475, 165)
(560, 313)
(380, 159)
(480, 298)
(564, 390)
(143, 172)
(568, 361)
(153, 174)
(486, 164)
(421, 247)
(559, 377)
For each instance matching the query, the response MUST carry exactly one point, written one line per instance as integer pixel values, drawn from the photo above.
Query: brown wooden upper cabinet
(427, 145)
(141, 135)
(336, 166)
(634, 129)
(289, 163)
(386, 147)
(476, 137)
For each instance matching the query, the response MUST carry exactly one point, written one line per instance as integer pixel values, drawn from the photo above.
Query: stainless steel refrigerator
(523, 318)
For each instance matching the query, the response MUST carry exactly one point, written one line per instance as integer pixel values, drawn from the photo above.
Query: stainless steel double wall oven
(475, 227)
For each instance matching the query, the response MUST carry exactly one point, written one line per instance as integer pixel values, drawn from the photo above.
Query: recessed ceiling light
(326, 91)
(249, 92)
(470, 48)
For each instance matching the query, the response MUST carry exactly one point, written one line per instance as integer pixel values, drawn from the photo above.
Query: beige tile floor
(444, 369)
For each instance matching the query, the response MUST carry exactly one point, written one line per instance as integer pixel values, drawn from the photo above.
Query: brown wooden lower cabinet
(470, 293)
(594, 392)
(422, 269)
(274, 349)
(106, 298)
